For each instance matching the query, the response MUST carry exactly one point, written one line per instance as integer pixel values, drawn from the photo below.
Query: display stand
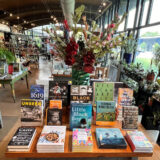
(107, 153)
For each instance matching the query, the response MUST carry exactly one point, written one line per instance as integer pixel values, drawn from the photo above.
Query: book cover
(31, 112)
(22, 138)
(130, 117)
(110, 138)
(59, 90)
(81, 94)
(54, 116)
(52, 135)
(55, 104)
(80, 115)
(138, 140)
(125, 96)
(82, 140)
(37, 92)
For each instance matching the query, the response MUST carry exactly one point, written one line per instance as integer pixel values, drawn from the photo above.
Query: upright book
(138, 141)
(81, 94)
(82, 140)
(22, 139)
(110, 138)
(52, 139)
(37, 92)
(105, 112)
(31, 112)
(80, 115)
(59, 90)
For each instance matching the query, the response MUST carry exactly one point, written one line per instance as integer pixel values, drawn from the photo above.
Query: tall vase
(80, 77)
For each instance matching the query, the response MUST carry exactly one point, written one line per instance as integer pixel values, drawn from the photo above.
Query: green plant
(156, 57)
(130, 44)
(5, 54)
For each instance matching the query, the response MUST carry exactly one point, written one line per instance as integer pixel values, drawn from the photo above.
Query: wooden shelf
(68, 149)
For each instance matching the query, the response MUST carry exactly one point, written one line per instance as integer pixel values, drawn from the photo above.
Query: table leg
(27, 81)
(13, 92)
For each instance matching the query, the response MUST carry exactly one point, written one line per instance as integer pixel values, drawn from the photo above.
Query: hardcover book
(110, 138)
(125, 96)
(81, 94)
(130, 117)
(37, 92)
(59, 90)
(31, 112)
(82, 140)
(22, 139)
(52, 139)
(138, 141)
(55, 104)
(54, 116)
(105, 112)
(80, 115)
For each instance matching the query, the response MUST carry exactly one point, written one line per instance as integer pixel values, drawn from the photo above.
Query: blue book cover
(80, 115)
(110, 138)
(37, 92)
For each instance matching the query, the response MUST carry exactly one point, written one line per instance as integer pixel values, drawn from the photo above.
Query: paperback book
(80, 115)
(81, 94)
(55, 104)
(37, 92)
(22, 139)
(82, 140)
(52, 139)
(138, 141)
(130, 117)
(110, 138)
(31, 112)
(105, 112)
(59, 90)
(54, 116)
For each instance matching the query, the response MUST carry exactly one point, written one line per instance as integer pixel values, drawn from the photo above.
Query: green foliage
(6, 54)
(150, 34)
(156, 57)
(143, 47)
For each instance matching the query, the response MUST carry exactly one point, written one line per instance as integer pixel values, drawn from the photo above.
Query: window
(148, 40)
(146, 5)
(155, 16)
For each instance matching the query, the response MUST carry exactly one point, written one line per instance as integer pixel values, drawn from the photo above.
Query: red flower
(52, 52)
(70, 60)
(89, 58)
(112, 25)
(88, 68)
(69, 48)
(73, 53)
(109, 37)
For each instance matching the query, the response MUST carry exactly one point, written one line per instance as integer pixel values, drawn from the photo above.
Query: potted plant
(129, 46)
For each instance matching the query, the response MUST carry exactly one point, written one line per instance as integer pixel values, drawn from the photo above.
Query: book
(59, 90)
(81, 94)
(80, 115)
(22, 139)
(54, 116)
(105, 112)
(37, 92)
(52, 139)
(125, 96)
(1, 121)
(31, 112)
(138, 141)
(130, 117)
(55, 104)
(110, 138)
(82, 140)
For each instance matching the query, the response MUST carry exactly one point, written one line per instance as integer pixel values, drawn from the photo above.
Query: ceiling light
(104, 3)
(51, 16)
(10, 14)
(18, 17)
(55, 19)
(99, 10)
(25, 21)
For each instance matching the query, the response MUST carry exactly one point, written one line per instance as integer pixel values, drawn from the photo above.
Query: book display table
(107, 153)
(14, 78)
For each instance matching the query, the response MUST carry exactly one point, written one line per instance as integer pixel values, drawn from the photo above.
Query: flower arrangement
(95, 46)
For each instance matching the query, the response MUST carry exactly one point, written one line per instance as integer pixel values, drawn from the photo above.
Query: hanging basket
(80, 77)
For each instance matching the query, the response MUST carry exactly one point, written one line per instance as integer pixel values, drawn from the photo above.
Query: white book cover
(52, 135)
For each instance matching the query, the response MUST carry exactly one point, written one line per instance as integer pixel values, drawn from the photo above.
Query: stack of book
(110, 138)
(82, 140)
(138, 141)
(22, 139)
(52, 139)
